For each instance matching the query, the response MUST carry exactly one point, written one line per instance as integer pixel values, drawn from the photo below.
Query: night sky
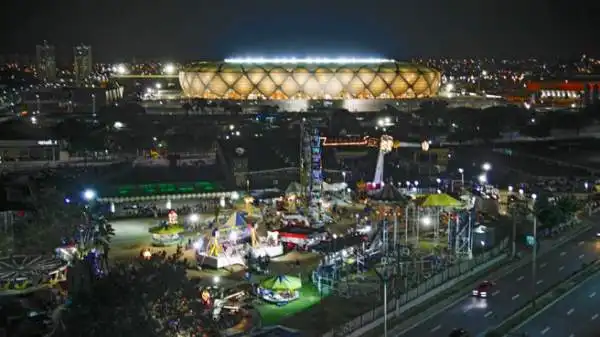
(198, 29)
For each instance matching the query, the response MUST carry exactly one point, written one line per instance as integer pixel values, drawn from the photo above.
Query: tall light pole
(481, 76)
(534, 259)
(462, 177)
(38, 103)
(514, 223)
(345, 187)
(385, 275)
(486, 167)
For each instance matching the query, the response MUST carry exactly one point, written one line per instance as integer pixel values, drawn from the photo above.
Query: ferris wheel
(22, 272)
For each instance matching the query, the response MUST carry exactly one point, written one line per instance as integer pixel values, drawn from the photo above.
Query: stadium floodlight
(309, 60)
(169, 69)
(120, 69)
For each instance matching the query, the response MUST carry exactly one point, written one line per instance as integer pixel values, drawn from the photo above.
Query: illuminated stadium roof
(308, 60)
(309, 78)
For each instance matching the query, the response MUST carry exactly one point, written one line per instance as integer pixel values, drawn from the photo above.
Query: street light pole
(385, 277)
(534, 258)
(385, 324)
(462, 178)
(514, 222)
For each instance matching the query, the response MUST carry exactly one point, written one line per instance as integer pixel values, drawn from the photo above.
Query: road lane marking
(561, 268)
(467, 309)
(489, 313)
(515, 297)
(580, 243)
(436, 328)
(594, 317)
(570, 311)
(572, 335)
(495, 292)
(540, 281)
(563, 253)
(593, 294)
(581, 256)
(546, 329)
(520, 278)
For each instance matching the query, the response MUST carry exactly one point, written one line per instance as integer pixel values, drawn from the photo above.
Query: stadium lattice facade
(282, 81)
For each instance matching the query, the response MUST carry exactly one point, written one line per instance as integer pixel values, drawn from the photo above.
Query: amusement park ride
(385, 144)
(312, 173)
(232, 242)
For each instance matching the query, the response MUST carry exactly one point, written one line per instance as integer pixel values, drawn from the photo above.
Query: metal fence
(433, 282)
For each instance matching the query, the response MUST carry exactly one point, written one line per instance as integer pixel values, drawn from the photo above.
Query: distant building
(45, 62)
(82, 63)
(579, 90)
(71, 99)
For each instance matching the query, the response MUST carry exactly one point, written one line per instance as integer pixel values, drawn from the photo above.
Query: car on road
(483, 289)
(459, 333)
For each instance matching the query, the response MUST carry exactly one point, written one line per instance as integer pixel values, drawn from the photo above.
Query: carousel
(25, 273)
(167, 233)
(280, 289)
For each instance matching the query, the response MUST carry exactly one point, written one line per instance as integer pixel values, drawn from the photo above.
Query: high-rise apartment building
(82, 63)
(45, 62)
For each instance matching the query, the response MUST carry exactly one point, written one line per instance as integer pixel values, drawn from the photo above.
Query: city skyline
(178, 30)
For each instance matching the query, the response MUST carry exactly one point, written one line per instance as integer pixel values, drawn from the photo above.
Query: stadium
(308, 79)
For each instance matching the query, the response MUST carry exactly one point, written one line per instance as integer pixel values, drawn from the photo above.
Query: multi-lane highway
(510, 292)
(575, 315)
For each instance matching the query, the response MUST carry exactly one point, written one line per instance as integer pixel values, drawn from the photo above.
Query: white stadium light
(308, 60)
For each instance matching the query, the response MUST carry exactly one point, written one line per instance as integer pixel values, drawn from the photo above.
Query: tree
(553, 213)
(568, 205)
(144, 298)
(54, 219)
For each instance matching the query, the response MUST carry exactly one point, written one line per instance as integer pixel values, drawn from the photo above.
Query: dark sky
(200, 29)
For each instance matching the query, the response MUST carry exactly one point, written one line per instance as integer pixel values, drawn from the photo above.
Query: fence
(404, 299)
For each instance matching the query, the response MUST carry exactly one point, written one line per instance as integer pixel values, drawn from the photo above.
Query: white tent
(294, 188)
(335, 187)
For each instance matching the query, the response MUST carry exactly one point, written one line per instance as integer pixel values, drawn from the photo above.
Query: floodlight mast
(309, 60)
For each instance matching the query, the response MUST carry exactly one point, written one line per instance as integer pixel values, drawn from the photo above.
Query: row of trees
(553, 211)
(141, 297)
(549, 210)
(467, 123)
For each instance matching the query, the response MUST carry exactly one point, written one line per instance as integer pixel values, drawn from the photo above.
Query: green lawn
(272, 314)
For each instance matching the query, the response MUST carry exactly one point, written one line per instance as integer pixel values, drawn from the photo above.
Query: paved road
(512, 290)
(575, 315)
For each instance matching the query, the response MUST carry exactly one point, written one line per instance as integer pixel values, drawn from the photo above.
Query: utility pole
(514, 235)
(534, 258)
(385, 276)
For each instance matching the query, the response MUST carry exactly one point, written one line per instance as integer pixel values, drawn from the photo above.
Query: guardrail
(412, 295)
